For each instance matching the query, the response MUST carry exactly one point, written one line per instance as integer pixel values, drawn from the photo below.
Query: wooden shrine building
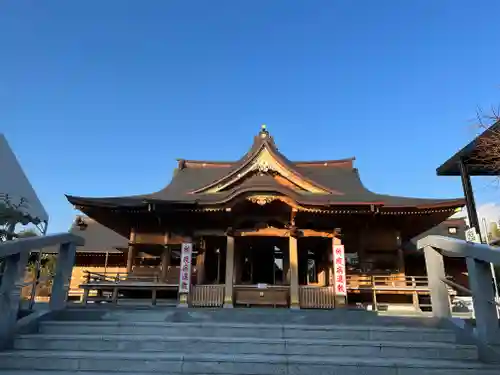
(262, 230)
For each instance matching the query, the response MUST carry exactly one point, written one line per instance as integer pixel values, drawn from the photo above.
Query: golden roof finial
(263, 131)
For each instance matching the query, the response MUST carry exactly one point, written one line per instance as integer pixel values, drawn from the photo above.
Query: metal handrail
(465, 290)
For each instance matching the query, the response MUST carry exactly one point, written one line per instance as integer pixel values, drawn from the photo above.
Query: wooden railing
(392, 284)
(315, 297)
(387, 282)
(116, 277)
(138, 275)
(207, 295)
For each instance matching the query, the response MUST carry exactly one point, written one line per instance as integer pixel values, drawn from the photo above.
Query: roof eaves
(450, 166)
(106, 202)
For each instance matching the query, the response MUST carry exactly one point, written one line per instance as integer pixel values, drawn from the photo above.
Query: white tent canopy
(15, 184)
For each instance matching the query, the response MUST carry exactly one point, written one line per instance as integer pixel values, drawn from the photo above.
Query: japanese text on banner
(339, 280)
(185, 268)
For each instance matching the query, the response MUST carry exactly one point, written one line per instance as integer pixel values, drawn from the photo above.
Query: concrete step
(173, 363)
(243, 315)
(286, 331)
(245, 345)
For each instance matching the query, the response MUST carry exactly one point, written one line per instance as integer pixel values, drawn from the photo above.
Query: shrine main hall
(263, 230)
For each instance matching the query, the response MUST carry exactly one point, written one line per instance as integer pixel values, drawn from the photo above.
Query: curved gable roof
(262, 151)
(339, 182)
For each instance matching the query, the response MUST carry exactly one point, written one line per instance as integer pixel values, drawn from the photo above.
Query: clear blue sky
(98, 98)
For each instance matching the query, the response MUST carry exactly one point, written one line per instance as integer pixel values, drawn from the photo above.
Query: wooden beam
(270, 232)
(317, 233)
(176, 239)
(209, 232)
(277, 232)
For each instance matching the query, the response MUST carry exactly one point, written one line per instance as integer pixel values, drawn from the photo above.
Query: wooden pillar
(165, 263)
(131, 251)
(361, 247)
(237, 267)
(400, 254)
(130, 258)
(294, 273)
(401, 261)
(286, 268)
(228, 291)
(200, 266)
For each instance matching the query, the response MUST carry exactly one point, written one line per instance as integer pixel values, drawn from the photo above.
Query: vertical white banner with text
(339, 278)
(185, 267)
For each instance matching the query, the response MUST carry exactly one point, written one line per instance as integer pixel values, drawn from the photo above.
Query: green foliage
(27, 233)
(494, 230)
(47, 272)
(11, 213)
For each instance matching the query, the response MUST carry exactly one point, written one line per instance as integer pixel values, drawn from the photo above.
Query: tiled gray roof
(340, 178)
(98, 238)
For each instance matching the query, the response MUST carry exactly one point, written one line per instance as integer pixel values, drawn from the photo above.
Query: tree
(488, 147)
(47, 269)
(27, 233)
(11, 214)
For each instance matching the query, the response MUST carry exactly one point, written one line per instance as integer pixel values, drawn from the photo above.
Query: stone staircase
(246, 341)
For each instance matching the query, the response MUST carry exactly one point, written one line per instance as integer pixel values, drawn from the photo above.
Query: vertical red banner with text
(185, 267)
(339, 278)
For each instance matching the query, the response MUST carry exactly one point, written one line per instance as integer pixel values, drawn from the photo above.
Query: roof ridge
(352, 158)
(294, 162)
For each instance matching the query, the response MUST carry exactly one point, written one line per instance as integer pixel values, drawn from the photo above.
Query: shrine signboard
(185, 268)
(339, 276)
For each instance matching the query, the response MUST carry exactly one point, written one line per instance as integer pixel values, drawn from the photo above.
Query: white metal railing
(14, 256)
(465, 290)
(478, 258)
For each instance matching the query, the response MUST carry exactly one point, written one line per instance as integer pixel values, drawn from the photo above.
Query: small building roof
(98, 238)
(470, 154)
